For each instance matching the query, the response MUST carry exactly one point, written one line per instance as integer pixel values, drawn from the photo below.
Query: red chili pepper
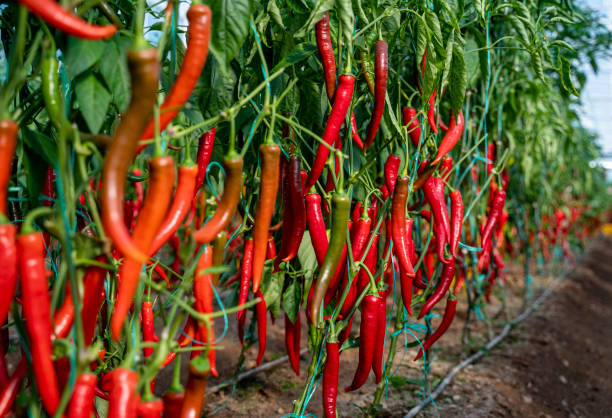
(10, 391)
(490, 158)
(431, 111)
(358, 236)
(316, 226)
(398, 225)
(297, 214)
(448, 272)
(381, 325)
(446, 167)
(8, 272)
(406, 279)
(228, 204)
(245, 277)
(153, 213)
(203, 293)
(53, 14)
(329, 183)
(456, 220)
(455, 130)
(173, 402)
(92, 299)
(36, 311)
(123, 399)
(83, 394)
(270, 166)
(330, 379)
(434, 193)
(342, 101)
(495, 210)
(148, 330)
(206, 144)
(199, 16)
(260, 313)
(195, 390)
(292, 342)
(381, 68)
(368, 332)
(150, 409)
(144, 76)
(370, 261)
(181, 204)
(392, 166)
(8, 140)
(447, 319)
(409, 118)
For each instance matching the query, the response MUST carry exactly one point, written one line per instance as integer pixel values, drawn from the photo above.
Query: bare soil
(556, 363)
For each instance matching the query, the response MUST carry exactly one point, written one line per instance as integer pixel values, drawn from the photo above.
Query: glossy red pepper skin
(10, 391)
(292, 342)
(297, 214)
(8, 272)
(448, 272)
(342, 101)
(260, 314)
(56, 16)
(381, 325)
(206, 144)
(150, 409)
(414, 130)
(359, 236)
(37, 313)
(83, 394)
(452, 136)
(456, 220)
(495, 211)
(123, 399)
(446, 168)
(8, 141)
(200, 17)
(173, 402)
(392, 166)
(330, 379)
(447, 320)
(381, 68)
(368, 332)
(195, 391)
(405, 279)
(203, 294)
(148, 329)
(398, 225)
(270, 168)
(151, 217)
(431, 111)
(245, 277)
(316, 226)
(434, 193)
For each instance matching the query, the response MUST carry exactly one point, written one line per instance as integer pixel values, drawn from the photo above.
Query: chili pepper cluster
(178, 227)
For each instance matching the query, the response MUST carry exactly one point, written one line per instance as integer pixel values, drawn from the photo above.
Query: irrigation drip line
(495, 341)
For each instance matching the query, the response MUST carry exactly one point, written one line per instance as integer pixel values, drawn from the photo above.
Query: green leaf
(518, 25)
(347, 19)
(472, 61)
(562, 44)
(307, 256)
(298, 54)
(480, 7)
(434, 27)
(275, 13)
(458, 77)
(230, 27)
(93, 101)
(41, 144)
(272, 286)
(35, 169)
(321, 7)
(82, 54)
(449, 56)
(113, 69)
(219, 92)
(566, 79)
(292, 297)
(422, 40)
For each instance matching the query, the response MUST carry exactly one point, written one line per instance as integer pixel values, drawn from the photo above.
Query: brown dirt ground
(556, 363)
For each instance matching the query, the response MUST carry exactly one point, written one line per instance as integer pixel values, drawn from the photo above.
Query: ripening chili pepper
(330, 378)
(446, 167)
(341, 206)
(409, 117)
(199, 16)
(447, 320)
(490, 158)
(83, 394)
(406, 279)
(203, 294)
(260, 314)
(8, 272)
(455, 130)
(147, 325)
(292, 341)
(368, 332)
(181, 204)
(329, 183)
(291, 241)
(206, 144)
(195, 390)
(37, 314)
(229, 201)
(392, 166)
(8, 140)
(144, 75)
(448, 272)
(342, 101)
(12, 388)
(53, 14)
(495, 210)
(338, 274)
(123, 399)
(398, 225)
(92, 299)
(173, 402)
(456, 220)
(245, 276)
(316, 226)
(434, 193)
(268, 189)
(381, 68)
(150, 409)
(151, 217)
(431, 111)
(377, 363)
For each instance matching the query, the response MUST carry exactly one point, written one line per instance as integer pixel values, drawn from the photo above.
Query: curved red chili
(292, 341)
(83, 395)
(260, 314)
(495, 211)
(297, 214)
(8, 272)
(431, 111)
(392, 166)
(148, 329)
(381, 325)
(414, 130)
(195, 391)
(245, 276)
(455, 130)
(358, 236)
(316, 226)
(123, 399)
(381, 68)
(434, 193)
(405, 279)
(398, 225)
(456, 220)
(330, 379)
(448, 272)
(203, 294)
(206, 144)
(447, 320)
(10, 391)
(8, 140)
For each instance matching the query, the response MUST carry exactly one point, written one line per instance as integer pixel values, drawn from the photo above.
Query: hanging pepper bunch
(154, 183)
